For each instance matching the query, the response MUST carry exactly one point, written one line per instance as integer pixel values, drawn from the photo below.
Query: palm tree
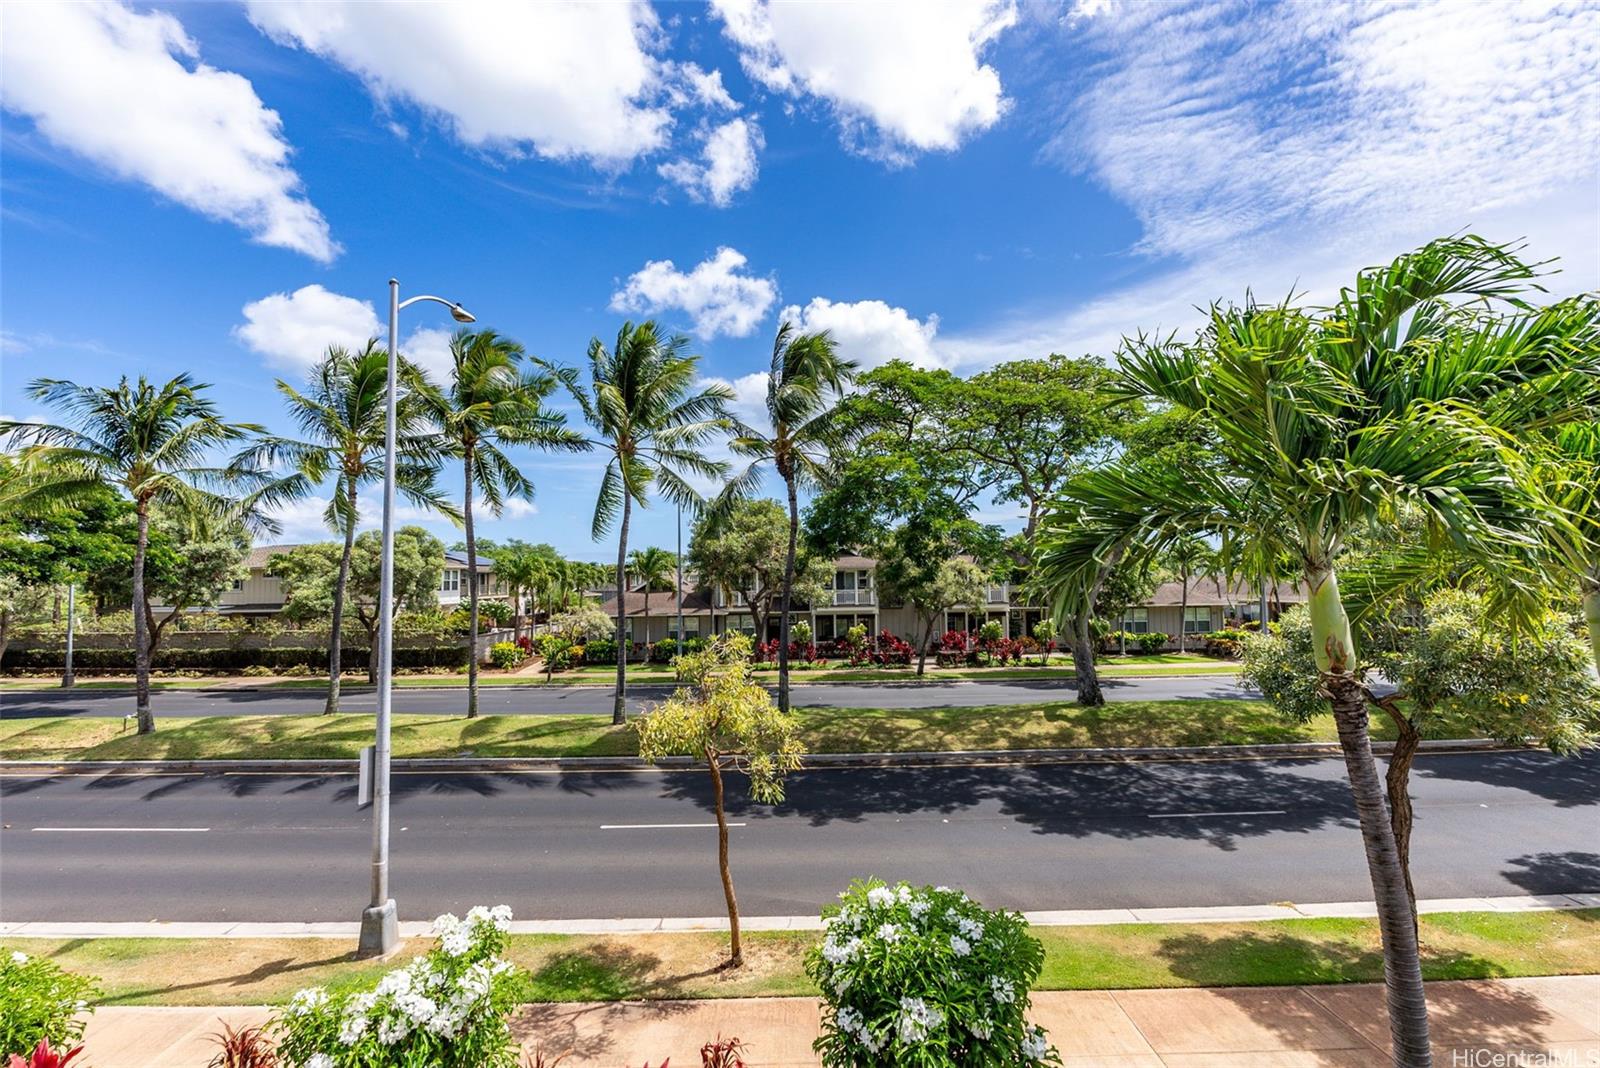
(150, 442)
(523, 569)
(642, 403)
(805, 379)
(340, 414)
(1187, 556)
(490, 402)
(653, 567)
(1327, 421)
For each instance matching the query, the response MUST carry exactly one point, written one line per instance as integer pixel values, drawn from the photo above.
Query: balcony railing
(853, 597)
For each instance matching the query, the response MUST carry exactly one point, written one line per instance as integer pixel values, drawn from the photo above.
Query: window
(955, 621)
(1197, 620)
(238, 584)
(450, 582)
(1136, 621)
(691, 627)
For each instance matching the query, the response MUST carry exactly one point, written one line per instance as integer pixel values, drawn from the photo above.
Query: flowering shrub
(925, 976)
(505, 655)
(445, 1010)
(891, 650)
(39, 1003)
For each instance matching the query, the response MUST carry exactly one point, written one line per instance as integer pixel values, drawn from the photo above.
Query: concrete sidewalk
(1474, 1022)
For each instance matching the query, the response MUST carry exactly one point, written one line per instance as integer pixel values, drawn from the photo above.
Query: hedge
(227, 661)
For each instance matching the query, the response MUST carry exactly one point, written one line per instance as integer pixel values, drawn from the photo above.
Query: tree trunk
(156, 628)
(472, 584)
(336, 625)
(1183, 613)
(1334, 648)
(1088, 678)
(619, 710)
(372, 652)
(922, 647)
(5, 631)
(735, 949)
(1591, 615)
(784, 599)
(1397, 780)
(141, 636)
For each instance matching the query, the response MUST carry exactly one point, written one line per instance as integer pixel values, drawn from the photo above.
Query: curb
(913, 759)
(677, 925)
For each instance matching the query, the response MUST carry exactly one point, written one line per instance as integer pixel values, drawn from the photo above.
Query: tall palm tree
(804, 381)
(648, 416)
(492, 401)
(151, 442)
(1403, 392)
(340, 413)
(1187, 556)
(522, 567)
(653, 567)
(1570, 468)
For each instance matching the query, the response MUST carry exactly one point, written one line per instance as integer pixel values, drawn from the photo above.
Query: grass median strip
(823, 730)
(1459, 945)
(1121, 724)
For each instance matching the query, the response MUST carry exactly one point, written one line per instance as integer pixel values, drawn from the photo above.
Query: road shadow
(1569, 781)
(1570, 872)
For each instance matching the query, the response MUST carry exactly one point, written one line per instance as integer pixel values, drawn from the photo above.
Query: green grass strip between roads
(822, 730)
(1459, 945)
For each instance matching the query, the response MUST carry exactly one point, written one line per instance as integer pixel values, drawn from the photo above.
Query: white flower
(960, 945)
(917, 1018)
(352, 1029)
(941, 889)
(319, 1060)
(1034, 1044)
(307, 1001)
(392, 1029)
(918, 907)
(904, 894)
(880, 896)
(501, 915)
(18, 957)
(972, 930)
(871, 1042)
(889, 932)
(1004, 991)
(837, 953)
(446, 923)
(981, 1029)
(848, 1019)
(456, 942)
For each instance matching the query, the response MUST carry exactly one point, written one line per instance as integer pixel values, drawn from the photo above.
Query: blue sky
(225, 189)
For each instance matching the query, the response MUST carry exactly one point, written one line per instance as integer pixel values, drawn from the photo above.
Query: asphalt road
(637, 844)
(594, 700)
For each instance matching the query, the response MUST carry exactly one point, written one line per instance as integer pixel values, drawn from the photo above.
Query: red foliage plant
(44, 1057)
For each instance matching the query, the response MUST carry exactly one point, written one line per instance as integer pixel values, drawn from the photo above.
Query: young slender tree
(652, 567)
(1328, 420)
(1186, 557)
(651, 421)
(804, 381)
(490, 402)
(340, 415)
(722, 716)
(154, 444)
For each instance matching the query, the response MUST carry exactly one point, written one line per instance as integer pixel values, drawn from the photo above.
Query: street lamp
(380, 926)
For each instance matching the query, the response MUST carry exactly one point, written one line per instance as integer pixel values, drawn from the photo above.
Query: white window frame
(1194, 623)
(1136, 620)
(450, 581)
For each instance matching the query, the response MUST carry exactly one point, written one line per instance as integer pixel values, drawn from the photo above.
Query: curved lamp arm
(457, 312)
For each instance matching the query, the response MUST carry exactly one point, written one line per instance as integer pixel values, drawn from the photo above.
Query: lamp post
(380, 925)
(679, 645)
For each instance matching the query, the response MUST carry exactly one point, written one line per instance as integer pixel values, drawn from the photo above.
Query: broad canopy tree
(743, 548)
(1406, 391)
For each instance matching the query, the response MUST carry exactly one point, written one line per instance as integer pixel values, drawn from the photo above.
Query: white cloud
(304, 520)
(728, 163)
(129, 92)
(870, 332)
(1221, 123)
(900, 77)
(293, 330)
(718, 296)
(704, 87)
(560, 80)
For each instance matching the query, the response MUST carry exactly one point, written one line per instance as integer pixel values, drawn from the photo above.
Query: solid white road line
(125, 830)
(655, 826)
(1203, 815)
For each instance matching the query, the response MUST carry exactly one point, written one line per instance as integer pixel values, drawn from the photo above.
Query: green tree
(19, 603)
(525, 570)
(152, 443)
(652, 568)
(1570, 468)
(492, 401)
(1451, 660)
(1186, 557)
(743, 548)
(341, 413)
(804, 380)
(651, 421)
(953, 583)
(207, 555)
(1327, 421)
(725, 718)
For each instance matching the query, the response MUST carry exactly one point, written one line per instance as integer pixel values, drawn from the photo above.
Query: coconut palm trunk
(1183, 611)
(1591, 614)
(619, 710)
(336, 625)
(141, 627)
(1334, 647)
(472, 585)
(1083, 669)
(785, 596)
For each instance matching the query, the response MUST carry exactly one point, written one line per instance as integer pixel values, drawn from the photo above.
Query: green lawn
(822, 730)
(1461, 945)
